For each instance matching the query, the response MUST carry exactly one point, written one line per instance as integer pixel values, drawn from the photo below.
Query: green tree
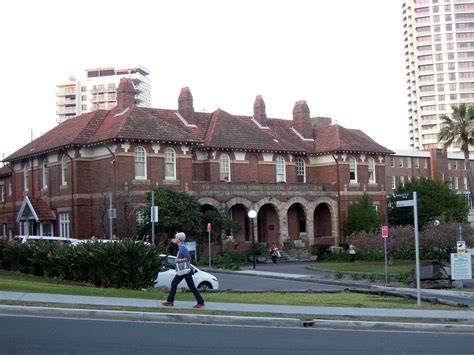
(459, 129)
(434, 198)
(362, 216)
(177, 211)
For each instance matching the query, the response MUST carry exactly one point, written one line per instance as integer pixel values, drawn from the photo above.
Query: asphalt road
(26, 335)
(256, 283)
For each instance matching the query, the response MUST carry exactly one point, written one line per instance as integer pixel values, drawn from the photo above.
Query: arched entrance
(322, 225)
(296, 222)
(238, 213)
(268, 225)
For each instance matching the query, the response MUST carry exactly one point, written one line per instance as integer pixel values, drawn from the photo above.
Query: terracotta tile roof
(212, 130)
(42, 210)
(240, 132)
(336, 138)
(5, 170)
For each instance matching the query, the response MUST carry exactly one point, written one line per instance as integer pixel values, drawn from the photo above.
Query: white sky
(345, 57)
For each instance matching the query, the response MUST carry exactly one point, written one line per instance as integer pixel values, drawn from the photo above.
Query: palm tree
(459, 129)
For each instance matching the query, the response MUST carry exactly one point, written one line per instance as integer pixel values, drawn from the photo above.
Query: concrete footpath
(463, 320)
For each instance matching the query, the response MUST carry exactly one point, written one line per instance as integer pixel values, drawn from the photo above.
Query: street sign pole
(386, 267)
(417, 253)
(110, 217)
(209, 241)
(152, 218)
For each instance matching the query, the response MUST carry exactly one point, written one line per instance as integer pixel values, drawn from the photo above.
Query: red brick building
(300, 179)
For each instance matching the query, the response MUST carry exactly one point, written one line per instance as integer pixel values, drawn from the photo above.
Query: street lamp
(252, 214)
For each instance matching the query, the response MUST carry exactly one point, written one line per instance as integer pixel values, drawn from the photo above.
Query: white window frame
(64, 225)
(409, 162)
(301, 169)
(42, 229)
(224, 167)
(456, 183)
(44, 173)
(449, 164)
(400, 161)
(2, 193)
(280, 170)
(26, 177)
(170, 160)
(352, 170)
(140, 161)
(371, 169)
(64, 170)
(402, 180)
(394, 183)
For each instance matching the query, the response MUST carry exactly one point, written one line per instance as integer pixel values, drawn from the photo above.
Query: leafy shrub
(339, 275)
(321, 250)
(226, 260)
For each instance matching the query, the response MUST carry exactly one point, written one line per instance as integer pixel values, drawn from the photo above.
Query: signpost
(408, 203)
(209, 228)
(385, 236)
(153, 217)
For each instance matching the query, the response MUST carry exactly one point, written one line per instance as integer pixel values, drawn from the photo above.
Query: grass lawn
(398, 266)
(11, 281)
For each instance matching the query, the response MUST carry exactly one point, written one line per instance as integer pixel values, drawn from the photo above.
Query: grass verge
(11, 281)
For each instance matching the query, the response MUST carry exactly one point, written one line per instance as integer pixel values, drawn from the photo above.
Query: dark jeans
(353, 257)
(189, 280)
(274, 259)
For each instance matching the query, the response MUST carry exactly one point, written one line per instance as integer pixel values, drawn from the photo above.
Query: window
(111, 86)
(2, 193)
(64, 170)
(440, 77)
(44, 173)
(224, 167)
(371, 162)
(170, 164)
(83, 88)
(455, 165)
(453, 97)
(300, 170)
(83, 107)
(465, 183)
(83, 97)
(26, 176)
(439, 67)
(441, 87)
(394, 183)
(140, 163)
(352, 170)
(139, 216)
(425, 163)
(64, 225)
(392, 162)
(400, 162)
(417, 163)
(46, 229)
(449, 164)
(280, 169)
(456, 183)
(402, 180)
(408, 162)
(452, 76)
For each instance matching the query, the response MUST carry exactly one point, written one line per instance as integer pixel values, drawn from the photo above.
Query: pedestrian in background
(352, 252)
(183, 271)
(275, 253)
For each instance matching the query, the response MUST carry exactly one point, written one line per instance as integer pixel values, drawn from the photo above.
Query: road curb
(90, 314)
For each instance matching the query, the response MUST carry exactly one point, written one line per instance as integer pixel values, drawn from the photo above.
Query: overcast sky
(345, 57)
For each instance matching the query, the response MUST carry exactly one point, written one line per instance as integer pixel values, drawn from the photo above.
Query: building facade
(299, 179)
(439, 55)
(98, 90)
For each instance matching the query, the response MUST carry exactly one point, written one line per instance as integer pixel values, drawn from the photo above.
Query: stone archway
(323, 231)
(268, 225)
(296, 218)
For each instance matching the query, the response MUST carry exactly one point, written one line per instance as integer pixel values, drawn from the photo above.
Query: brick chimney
(185, 105)
(125, 94)
(259, 111)
(301, 119)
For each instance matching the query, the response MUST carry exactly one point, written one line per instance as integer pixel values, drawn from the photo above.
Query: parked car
(202, 279)
(36, 238)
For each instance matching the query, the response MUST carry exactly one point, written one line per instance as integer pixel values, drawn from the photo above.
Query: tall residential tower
(97, 90)
(439, 50)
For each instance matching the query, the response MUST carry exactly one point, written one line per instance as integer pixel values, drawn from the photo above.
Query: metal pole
(417, 253)
(110, 216)
(209, 243)
(253, 244)
(386, 268)
(153, 218)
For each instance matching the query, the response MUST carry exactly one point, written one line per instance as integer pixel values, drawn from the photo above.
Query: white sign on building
(461, 267)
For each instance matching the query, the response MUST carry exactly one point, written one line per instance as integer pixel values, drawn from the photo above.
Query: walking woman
(183, 271)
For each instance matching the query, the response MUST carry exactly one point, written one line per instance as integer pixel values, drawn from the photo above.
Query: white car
(201, 278)
(39, 238)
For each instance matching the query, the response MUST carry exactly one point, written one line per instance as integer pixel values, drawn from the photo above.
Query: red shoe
(198, 305)
(168, 304)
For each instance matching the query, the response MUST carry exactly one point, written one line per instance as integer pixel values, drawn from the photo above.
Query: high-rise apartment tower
(439, 50)
(97, 90)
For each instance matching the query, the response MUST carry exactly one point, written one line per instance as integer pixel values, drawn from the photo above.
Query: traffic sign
(208, 228)
(384, 231)
(405, 203)
(461, 246)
